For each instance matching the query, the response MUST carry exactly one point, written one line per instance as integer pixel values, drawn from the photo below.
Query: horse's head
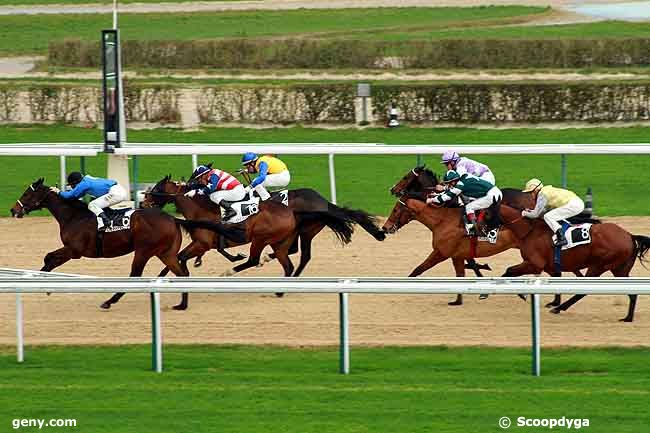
(417, 179)
(399, 217)
(162, 193)
(32, 199)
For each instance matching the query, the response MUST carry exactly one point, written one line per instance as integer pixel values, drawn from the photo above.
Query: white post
(332, 179)
(156, 337)
(114, 14)
(20, 351)
(536, 335)
(344, 350)
(62, 175)
(195, 162)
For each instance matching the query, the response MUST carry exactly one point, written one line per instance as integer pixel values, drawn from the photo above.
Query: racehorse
(311, 211)
(611, 249)
(152, 233)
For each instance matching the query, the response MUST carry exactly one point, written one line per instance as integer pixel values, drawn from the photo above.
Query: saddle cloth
(251, 205)
(576, 235)
(120, 219)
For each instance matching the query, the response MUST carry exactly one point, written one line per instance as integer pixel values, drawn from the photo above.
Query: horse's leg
(195, 249)
(433, 259)
(459, 267)
(56, 258)
(257, 246)
(221, 248)
(137, 267)
(306, 236)
(624, 271)
(591, 272)
(281, 251)
(523, 268)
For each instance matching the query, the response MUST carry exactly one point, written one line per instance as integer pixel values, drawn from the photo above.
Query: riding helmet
(74, 178)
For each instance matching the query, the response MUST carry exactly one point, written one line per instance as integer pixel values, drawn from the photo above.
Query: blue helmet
(248, 158)
(200, 171)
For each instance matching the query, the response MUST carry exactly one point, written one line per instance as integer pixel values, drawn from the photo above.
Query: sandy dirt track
(307, 319)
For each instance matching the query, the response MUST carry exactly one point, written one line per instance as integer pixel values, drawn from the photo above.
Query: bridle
(35, 205)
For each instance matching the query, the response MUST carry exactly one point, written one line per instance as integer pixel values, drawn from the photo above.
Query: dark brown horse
(152, 233)
(611, 249)
(311, 211)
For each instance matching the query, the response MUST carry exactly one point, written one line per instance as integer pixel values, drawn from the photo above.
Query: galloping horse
(311, 211)
(611, 249)
(151, 233)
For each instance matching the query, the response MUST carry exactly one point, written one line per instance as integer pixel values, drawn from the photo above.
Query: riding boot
(104, 222)
(560, 239)
(230, 212)
(470, 226)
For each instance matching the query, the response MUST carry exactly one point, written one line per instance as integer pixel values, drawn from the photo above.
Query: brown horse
(449, 240)
(152, 233)
(311, 211)
(611, 249)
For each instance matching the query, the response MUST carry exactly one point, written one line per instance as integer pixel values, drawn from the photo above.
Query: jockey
(478, 192)
(222, 187)
(107, 192)
(453, 161)
(555, 204)
(272, 173)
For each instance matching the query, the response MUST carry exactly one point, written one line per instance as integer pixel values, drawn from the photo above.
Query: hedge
(324, 54)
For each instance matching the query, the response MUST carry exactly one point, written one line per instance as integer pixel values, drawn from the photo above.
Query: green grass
(105, 2)
(598, 30)
(274, 389)
(363, 181)
(30, 34)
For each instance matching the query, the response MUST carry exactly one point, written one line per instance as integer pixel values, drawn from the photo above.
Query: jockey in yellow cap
(555, 204)
(271, 173)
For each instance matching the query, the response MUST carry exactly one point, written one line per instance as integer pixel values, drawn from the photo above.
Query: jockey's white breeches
(572, 208)
(484, 202)
(236, 194)
(277, 180)
(488, 176)
(116, 194)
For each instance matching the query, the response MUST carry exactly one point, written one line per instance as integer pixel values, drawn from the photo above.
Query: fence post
(136, 171)
(62, 174)
(195, 162)
(156, 337)
(564, 171)
(332, 178)
(20, 351)
(344, 346)
(536, 334)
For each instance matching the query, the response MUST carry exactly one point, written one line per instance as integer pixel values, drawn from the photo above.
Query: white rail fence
(20, 282)
(136, 150)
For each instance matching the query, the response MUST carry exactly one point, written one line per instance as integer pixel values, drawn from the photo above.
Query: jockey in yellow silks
(272, 172)
(555, 204)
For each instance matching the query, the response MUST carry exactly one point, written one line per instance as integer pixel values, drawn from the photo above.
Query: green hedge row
(323, 54)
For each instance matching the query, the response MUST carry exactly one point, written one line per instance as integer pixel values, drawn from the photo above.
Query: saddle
(119, 219)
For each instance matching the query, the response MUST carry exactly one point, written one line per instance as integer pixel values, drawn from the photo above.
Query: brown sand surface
(307, 319)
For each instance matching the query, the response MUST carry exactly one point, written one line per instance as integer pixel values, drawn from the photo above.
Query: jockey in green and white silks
(476, 193)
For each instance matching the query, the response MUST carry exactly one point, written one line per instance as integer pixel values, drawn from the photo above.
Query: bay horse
(449, 239)
(311, 210)
(152, 233)
(612, 249)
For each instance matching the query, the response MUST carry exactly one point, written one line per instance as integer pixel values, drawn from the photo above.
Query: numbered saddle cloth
(281, 196)
(120, 219)
(577, 235)
(251, 205)
(492, 236)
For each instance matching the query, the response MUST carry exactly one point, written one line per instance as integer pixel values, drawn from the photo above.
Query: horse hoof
(240, 256)
(455, 303)
(198, 263)
(555, 310)
(279, 295)
(523, 298)
(552, 304)
(180, 307)
(482, 297)
(627, 319)
(105, 306)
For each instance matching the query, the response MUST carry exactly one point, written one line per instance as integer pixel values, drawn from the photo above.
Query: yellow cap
(533, 184)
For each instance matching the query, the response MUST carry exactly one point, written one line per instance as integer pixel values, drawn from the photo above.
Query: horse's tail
(236, 233)
(342, 227)
(641, 247)
(365, 220)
